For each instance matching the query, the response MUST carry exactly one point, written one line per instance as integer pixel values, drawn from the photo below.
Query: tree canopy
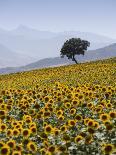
(73, 47)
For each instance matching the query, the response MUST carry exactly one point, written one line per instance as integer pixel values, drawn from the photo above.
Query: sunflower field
(68, 110)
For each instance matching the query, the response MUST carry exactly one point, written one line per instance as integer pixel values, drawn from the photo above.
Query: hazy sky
(98, 16)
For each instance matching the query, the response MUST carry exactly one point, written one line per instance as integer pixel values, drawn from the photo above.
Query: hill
(11, 58)
(35, 43)
(102, 53)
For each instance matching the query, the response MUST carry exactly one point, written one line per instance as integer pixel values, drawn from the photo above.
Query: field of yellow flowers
(68, 110)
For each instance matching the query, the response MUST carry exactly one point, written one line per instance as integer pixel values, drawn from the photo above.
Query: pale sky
(98, 16)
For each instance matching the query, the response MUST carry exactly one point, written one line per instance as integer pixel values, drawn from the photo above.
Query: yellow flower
(86, 120)
(11, 143)
(33, 130)
(108, 148)
(60, 112)
(72, 111)
(78, 139)
(5, 150)
(26, 133)
(75, 102)
(3, 127)
(15, 132)
(78, 118)
(63, 128)
(71, 123)
(67, 105)
(1, 144)
(16, 152)
(31, 146)
(88, 139)
(52, 149)
(48, 129)
(91, 130)
(104, 117)
(56, 131)
(112, 114)
(90, 123)
(61, 118)
(96, 125)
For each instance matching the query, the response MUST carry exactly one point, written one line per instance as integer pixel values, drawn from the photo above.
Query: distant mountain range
(11, 58)
(37, 44)
(102, 53)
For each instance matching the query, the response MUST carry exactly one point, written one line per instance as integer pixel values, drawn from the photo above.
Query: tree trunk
(75, 60)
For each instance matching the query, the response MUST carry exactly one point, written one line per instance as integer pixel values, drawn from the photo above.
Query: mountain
(102, 53)
(32, 33)
(43, 44)
(11, 58)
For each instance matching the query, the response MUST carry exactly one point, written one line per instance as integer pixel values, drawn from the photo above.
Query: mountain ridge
(92, 55)
(35, 43)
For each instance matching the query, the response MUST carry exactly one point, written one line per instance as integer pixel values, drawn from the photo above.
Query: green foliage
(74, 46)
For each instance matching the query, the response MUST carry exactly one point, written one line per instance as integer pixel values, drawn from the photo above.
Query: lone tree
(74, 46)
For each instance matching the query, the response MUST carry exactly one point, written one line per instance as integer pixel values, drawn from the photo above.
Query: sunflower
(16, 152)
(33, 130)
(5, 150)
(63, 128)
(104, 89)
(43, 151)
(80, 97)
(52, 149)
(90, 105)
(109, 105)
(90, 123)
(61, 148)
(86, 120)
(78, 118)
(96, 125)
(46, 99)
(67, 105)
(75, 102)
(48, 129)
(3, 106)
(112, 114)
(19, 147)
(109, 126)
(1, 100)
(83, 134)
(99, 109)
(91, 130)
(108, 148)
(3, 127)
(88, 139)
(56, 131)
(14, 123)
(15, 132)
(9, 107)
(72, 111)
(59, 112)
(26, 133)
(104, 117)
(32, 112)
(66, 137)
(71, 123)
(11, 143)
(78, 138)
(31, 146)
(61, 118)
(107, 122)
(2, 113)
(28, 120)
(1, 144)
